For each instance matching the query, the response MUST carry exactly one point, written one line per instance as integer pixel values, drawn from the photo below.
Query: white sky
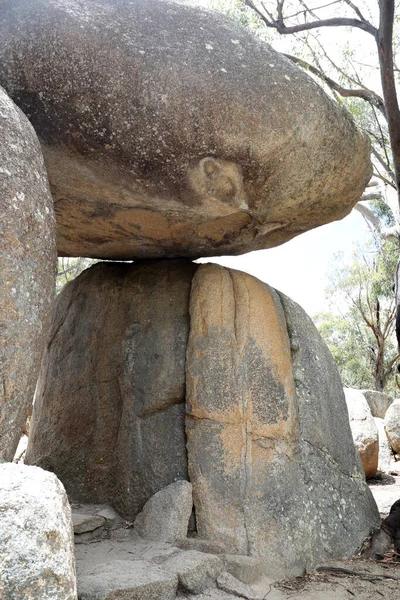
(300, 267)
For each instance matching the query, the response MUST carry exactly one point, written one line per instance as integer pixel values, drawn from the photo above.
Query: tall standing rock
(109, 410)
(172, 131)
(241, 422)
(27, 269)
(271, 457)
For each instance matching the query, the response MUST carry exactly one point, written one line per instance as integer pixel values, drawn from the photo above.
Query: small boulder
(36, 538)
(83, 523)
(378, 402)
(385, 451)
(364, 430)
(196, 571)
(392, 425)
(165, 517)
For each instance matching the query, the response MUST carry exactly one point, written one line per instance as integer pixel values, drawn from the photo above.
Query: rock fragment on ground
(83, 523)
(229, 583)
(196, 571)
(165, 516)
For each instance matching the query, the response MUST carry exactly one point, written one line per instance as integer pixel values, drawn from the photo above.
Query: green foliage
(349, 344)
(360, 329)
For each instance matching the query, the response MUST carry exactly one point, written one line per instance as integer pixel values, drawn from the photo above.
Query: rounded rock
(171, 131)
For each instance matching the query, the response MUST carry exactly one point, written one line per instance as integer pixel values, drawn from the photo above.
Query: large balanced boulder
(167, 370)
(36, 537)
(392, 425)
(172, 131)
(27, 269)
(364, 430)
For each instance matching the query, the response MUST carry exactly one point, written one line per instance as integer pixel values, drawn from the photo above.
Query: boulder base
(171, 131)
(220, 380)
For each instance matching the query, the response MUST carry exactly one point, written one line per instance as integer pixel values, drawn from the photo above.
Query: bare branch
(314, 9)
(364, 94)
(384, 164)
(365, 197)
(373, 220)
(279, 25)
(356, 10)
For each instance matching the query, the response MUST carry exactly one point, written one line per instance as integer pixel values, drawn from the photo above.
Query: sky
(300, 268)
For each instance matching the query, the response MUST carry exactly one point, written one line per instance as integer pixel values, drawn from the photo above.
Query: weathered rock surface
(109, 410)
(378, 402)
(385, 458)
(245, 568)
(392, 425)
(269, 451)
(165, 516)
(171, 131)
(27, 269)
(36, 537)
(196, 571)
(267, 423)
(231, 585)
(196, 543)
(84, 522)
(123, 580)
(364, 430)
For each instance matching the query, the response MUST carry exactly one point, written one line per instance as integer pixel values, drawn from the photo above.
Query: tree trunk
(384, 42)
(379, 375)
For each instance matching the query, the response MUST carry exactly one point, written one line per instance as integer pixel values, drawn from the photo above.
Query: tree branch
(373, 220)
(385, 53)
(280, 26)
(363, 93)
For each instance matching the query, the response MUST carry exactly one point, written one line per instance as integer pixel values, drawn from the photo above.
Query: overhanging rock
(171, 131)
